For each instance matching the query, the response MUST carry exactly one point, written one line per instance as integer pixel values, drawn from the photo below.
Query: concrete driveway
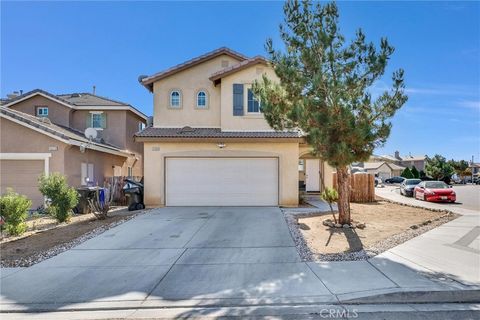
(194, 257)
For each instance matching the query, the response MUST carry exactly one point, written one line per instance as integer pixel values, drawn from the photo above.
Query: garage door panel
(22, 176)
(222, 181)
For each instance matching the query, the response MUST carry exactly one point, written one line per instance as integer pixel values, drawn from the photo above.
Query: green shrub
(330, 195)
(62, 197)
(14, 210)
(415, 172)
(407, 174)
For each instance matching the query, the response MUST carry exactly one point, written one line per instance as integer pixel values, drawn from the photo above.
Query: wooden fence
(362, 187)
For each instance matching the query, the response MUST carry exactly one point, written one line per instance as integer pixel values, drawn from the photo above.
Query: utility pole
(472, 169)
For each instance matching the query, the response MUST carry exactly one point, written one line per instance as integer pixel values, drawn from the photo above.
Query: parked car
(436, 191)
(407, 186)
(395, 180)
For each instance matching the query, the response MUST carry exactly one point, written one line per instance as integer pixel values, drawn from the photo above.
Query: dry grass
(383, 220)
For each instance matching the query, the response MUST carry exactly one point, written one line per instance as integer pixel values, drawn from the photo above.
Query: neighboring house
(43, 133)
(475, 167)
(405, 161)
(381, 169)
(210, 143)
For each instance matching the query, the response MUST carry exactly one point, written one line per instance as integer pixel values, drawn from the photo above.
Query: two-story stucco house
(42, 133)
(210, 143)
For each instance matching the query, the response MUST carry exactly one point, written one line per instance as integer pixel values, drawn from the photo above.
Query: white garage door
(221, 181)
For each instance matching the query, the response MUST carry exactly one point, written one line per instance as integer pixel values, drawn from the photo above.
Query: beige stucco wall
(154, 164)
(249, 121)
(57, 113)
(189, 82)
(114, 133)
(16, 138)
(103, 164)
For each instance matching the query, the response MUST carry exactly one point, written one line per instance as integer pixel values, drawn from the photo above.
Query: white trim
(96, 112)
(138, 113)
(89, 145)
(29, 156)
(41, 94)
(69, 141)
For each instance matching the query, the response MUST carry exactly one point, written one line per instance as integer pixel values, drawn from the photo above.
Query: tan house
(43, 133)
(383, 170)
(417, 161)
(210, 143)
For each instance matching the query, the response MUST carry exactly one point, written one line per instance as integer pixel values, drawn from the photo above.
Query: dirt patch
(49, 238)
(387, 224)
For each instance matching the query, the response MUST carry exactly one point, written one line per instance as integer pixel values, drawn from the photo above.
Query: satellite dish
(90, 133)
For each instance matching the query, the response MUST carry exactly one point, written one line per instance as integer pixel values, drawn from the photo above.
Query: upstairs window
(42, 111)
(201, 99)
(175, 99)
(141, 126)
(253, 103)
(97, 120)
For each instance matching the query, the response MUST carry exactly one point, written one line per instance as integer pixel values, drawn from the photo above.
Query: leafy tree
(406, 173)
(461, 167)
(63, 198)
(438, 168)
(415, 172)
(324, 90)
(422, 174)
(14, 210)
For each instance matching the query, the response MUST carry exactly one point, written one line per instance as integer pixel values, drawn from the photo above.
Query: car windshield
(412, 182)
(436, 185)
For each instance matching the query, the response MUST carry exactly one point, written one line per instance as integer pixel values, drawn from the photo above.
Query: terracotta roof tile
(194, 133)
(232, 69)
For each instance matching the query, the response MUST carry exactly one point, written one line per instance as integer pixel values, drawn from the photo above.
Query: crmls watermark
(335, 313)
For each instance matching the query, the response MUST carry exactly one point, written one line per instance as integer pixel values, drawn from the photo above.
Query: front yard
(387, 225)
(45, 237)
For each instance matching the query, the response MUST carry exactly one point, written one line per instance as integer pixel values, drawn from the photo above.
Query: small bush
(62, 197)
(415, 172)
(14, 210)
(407, 174)
(330, 195)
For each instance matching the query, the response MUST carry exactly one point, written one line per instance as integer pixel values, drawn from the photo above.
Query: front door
(312, 175)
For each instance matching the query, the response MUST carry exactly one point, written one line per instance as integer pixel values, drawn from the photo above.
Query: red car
(436, 191)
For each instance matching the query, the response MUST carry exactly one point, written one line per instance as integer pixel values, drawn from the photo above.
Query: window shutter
(237, 99)
(88, 120)
(104, 120)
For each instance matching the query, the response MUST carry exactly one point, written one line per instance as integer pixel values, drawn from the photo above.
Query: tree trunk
(343, 195)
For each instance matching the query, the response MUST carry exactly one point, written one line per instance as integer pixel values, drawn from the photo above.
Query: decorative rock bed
(306, 254)
(43, 255)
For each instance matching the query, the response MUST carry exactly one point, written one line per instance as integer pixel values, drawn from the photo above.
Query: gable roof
(147, 81)
(64, 134)
(237, 67)
(78, 101)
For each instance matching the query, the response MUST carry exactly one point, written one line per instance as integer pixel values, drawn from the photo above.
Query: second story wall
(57, 113)
(189, 82)
(113, 130)
(249, 120)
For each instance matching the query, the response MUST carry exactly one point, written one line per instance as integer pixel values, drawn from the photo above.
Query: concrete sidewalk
(214, 257)
(450, 251)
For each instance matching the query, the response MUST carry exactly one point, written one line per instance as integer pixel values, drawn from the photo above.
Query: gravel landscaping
(52, 239)
(388, 224)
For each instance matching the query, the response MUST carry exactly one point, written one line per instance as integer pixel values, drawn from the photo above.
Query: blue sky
(70, 46)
